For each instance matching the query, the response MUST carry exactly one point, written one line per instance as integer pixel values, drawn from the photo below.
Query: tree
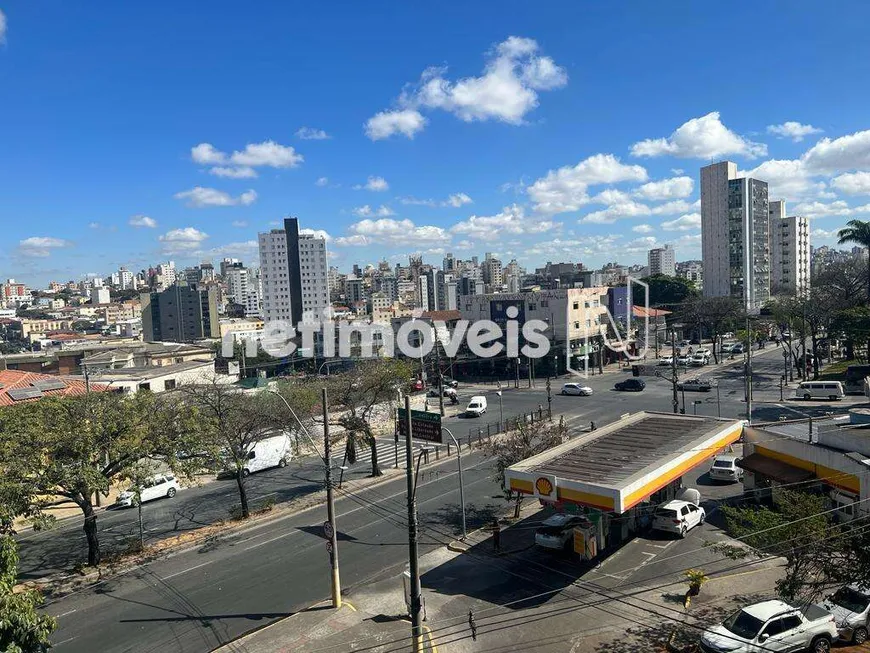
(75, 446)
(853, 325)
(521, 442)
(858, 232)
(22, 628)
(669, 291)
(365, 392)
(715, 315)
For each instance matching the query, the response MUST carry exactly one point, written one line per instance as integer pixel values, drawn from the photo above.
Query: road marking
(66, 613)
(277, 537)
(431, 639)
(350, 605)
(66, 641)
(184, 571)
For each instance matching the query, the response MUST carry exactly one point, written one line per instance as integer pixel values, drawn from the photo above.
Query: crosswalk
(386, 454)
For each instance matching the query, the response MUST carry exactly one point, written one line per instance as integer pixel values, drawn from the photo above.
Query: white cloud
(666, 189)
(94, 225)
(700, 138)
(317, 233)
(510, 221)
(41, 246)
(241, 224)
(374, 184)
(386, 123)
(414, 201)
(853, 183)
(245, 250)
(620, 205)
(793, 130)
(142, 221)
(2, 27)
(322, 181)
(688, 222)
(507, 90)
(565, 189)
(367, 211)
(587, 247)
(823, 210)
(266, 154)
(240, 172)
(312, 134)
(642, 229)
(458, 199)
(207, 154)
(823, 234)
(182, 240)
(199, 197)
(787, 178)
(387, 231)
(850, 152)
(674, 207)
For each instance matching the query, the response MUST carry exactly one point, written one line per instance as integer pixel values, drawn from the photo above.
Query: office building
(294, 273)
(492, 273)
(180, 314)
(735, 235)
(662, 260)
(789, 252)
(100, 295)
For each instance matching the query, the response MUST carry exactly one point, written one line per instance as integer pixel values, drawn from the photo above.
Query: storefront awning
(774, 469)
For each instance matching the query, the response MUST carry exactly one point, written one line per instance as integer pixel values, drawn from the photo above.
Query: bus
(854, 381)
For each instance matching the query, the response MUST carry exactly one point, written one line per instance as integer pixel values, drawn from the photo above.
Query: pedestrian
(496, 536)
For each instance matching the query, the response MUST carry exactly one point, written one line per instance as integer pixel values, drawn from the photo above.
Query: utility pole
(529, 362)
(517, 381)
(332, 535)
(413, 564)
(676, 401)
(748, 370)
(549, 400)
(440, 376)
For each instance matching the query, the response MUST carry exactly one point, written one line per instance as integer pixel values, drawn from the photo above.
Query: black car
(696, 385)
(631, 385)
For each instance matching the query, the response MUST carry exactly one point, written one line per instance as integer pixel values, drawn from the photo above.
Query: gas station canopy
(624, 463)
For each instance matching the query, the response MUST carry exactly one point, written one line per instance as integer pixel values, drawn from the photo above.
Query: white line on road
(184, 571)
(66, 641)
(65, 613)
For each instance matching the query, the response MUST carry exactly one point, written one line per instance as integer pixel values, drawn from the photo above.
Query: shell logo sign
(544, 486)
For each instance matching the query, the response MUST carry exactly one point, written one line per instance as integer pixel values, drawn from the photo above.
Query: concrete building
(180, 314)
(295, 274)
(100, 295)
(662, 260)
(692, 271)
(735, 235)
(13, 294)
(789, 252)
(237, 284)
(492, 273)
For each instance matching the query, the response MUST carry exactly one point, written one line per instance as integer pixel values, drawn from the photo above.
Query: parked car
(773, 626)
(576, 389)
(678, 517)
(695, 385)
(683, 344)
(416, 385)
(160, 485)
(630, 385)
(832, 390)
(737, 348)
(683, 359)
(725, 468)
(272, 451)
(705, 351)
(476, 407)
(557, 531)
(699, 360)
(447, 391)
(850, 606)
(666, 360)
(450, 383)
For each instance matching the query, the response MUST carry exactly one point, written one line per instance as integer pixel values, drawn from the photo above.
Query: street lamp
(461, 486)
(500, 407)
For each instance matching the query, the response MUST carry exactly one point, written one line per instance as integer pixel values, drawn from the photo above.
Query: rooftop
(18, 387)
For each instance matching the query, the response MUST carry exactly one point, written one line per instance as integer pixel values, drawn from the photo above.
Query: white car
(161, 485)
(699, 360)
(683, 359)
(576, 389)
(666, 360)
(724, 468)
(476, 407)
(851, 609)
(678, 517)
(705, 351)
(557, 531)
(773, 626)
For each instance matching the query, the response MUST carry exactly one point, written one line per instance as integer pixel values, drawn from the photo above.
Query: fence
(481, 431)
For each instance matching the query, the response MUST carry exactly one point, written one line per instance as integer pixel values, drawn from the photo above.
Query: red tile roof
(16, 379)
(641, 311)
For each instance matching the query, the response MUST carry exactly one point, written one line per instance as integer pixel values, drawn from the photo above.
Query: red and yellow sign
(544, 486)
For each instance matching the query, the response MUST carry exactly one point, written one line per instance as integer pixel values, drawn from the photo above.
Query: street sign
(329, 548)
(327, 530)
(424, 425)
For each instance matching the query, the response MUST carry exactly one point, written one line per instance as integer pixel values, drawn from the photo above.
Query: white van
(832, 390)
(272, 451)
(476, 407)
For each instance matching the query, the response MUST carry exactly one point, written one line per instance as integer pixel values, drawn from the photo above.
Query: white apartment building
(735, 235)
(662, 260)
(237, 284)
(789, 252)
(294, 273)
(100, 295)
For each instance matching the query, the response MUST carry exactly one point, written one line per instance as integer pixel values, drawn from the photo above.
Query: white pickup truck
(773, 626)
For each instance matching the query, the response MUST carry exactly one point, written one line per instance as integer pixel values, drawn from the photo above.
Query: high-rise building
(229, 263)
(180, 314)
(100, 295)
(789, 252)
(294, 272)
(237, 284)
(735, 235)
(662, 260)
(492, 273)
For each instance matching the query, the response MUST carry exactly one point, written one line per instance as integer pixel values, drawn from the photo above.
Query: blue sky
(134, 133)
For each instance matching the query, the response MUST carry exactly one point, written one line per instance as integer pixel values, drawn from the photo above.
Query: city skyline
(431, 169)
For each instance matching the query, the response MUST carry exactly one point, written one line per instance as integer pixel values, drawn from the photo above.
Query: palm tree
(858, 232)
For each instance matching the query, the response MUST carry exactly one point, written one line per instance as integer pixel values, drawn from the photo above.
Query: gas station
(616, 475)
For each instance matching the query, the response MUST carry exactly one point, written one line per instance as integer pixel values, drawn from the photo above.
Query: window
(169, 384)
(773, 628)
(576, 305)
(790, 622)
